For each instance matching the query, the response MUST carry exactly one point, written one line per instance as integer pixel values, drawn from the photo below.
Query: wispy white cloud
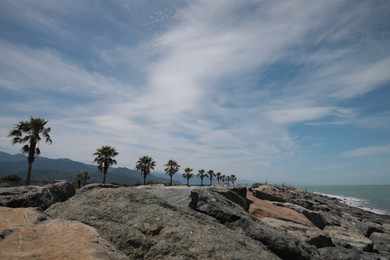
(25, 68)
(368, 151)
(198, 84)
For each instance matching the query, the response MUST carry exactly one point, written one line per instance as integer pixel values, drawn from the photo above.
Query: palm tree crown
(29, 132)
(218, 176)
(201, 174)
(223, 178)
(144, 165)
(233, 178)
(188, 175)
(104, 159)
(172, 168)
(82, 178)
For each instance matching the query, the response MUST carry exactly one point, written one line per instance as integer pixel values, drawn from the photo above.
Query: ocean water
(375, 198)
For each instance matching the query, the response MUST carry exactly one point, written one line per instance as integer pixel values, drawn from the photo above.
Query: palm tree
(29, 132)
(201, 174)
(228, 179)
(172, 168)
(82, 178)
(144, 165)
(223, 177)
(188, 175)
(211, 175)
(218, 176)
(233, 178)
(104, 159)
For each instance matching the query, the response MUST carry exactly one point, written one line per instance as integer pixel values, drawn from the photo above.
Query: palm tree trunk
(170, 181)
(29, 173)
(201, 181)
(104, 177)
(144, 178)
(188, 182)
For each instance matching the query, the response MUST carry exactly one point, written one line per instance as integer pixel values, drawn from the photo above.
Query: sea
(374, 198)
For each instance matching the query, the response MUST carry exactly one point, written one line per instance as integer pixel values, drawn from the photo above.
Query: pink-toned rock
(24, 236)
(265, 209)
(10, 217)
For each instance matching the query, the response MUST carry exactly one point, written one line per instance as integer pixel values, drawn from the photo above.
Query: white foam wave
(356, 202)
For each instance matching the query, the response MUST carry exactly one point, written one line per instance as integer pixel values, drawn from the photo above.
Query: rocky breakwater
(264, 222)
(338, 230)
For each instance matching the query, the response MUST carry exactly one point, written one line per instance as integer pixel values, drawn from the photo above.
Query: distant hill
(46, 169)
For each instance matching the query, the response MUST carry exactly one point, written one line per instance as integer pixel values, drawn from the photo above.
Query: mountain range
(47, 169)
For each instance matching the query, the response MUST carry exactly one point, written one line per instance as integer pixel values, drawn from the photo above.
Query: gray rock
(349, 238)
(36, 196)
(236, 196)
(311, 235)
(340, 253)
(321, 241)
(368, 227)
(381, 241)
(157, 223)
(97, 185)
(266, 196)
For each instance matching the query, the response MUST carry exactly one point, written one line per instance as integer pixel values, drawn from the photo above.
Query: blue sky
(286, 91)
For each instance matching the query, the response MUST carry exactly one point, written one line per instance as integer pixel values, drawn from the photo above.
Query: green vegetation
(29, 132)
(11, 179)
(144, 165)
(104, 159)
(172, 168)
(188, 175)
(82, 178)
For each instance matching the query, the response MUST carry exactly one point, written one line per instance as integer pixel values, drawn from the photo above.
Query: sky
(292, 92)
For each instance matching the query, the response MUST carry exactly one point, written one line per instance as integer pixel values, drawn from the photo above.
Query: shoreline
(355, 202)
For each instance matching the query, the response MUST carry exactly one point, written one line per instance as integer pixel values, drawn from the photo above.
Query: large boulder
(381, 242)
(26, 233)
(266, 193)
(315, 217)
(157, 223)
(349, 238)
(36, 196)
(311, 235)
(265, 209)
